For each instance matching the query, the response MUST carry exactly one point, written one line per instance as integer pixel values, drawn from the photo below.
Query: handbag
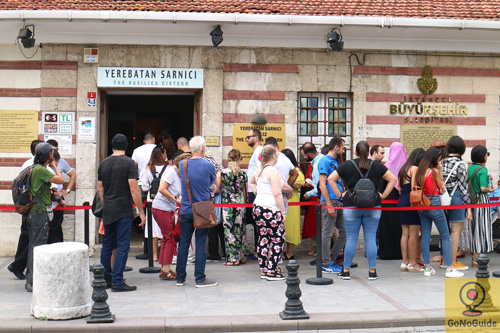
(445, 199)
(204, 216)
(418, 198)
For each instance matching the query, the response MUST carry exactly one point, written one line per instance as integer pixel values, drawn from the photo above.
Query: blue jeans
(439, 218)
(353, 220)
(456, 215)
(187, 230)
(116, 236)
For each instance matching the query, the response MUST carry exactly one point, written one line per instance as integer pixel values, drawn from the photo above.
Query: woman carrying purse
(429, 177)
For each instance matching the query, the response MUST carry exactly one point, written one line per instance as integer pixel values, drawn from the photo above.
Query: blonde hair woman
(269, 213)
(234, 191)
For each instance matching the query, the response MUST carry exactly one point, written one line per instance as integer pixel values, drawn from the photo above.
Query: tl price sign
(58, 123)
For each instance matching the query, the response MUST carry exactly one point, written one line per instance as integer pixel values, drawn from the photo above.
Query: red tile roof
(442, 9)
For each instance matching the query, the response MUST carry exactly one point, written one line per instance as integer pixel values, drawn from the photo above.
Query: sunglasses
(488, 153)
(250, 136)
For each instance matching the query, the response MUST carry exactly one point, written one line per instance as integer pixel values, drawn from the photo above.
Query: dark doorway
(135, 115)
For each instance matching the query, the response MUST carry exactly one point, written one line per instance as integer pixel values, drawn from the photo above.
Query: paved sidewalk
(244, 302)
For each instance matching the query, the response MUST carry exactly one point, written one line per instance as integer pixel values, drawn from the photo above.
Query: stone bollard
(482, 267)
(483, 287)
(293, 306)
(100, 310)
(61, 288)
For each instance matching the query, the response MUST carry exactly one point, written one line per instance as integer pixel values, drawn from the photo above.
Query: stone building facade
(245, 82)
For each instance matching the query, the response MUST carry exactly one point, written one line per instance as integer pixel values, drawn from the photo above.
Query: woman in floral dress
(234, 187)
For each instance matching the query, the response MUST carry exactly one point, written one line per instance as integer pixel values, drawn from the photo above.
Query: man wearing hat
(118, 189)
(38, 216)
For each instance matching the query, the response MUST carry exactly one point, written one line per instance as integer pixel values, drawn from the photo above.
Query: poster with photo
(86, 128)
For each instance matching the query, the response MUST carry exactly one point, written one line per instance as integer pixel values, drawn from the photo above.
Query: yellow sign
(17, 129)
(421, 136)
(212, 141)
(472, 305)
(240, 131)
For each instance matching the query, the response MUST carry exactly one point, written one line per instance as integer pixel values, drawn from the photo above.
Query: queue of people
(273, 180)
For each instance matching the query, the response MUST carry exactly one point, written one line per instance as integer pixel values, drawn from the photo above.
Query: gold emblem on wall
(427, 84)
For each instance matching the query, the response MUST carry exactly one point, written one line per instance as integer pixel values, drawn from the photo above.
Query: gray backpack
(365, 193)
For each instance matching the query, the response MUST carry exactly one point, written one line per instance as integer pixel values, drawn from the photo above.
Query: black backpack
(97, 205)
(474, 198)
(21, 194)
(365, 193)
(155, 183)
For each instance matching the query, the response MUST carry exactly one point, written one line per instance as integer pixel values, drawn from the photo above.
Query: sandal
(275, 276)
(437, 258)
(415, 269)
(231, 263)
(170, 276)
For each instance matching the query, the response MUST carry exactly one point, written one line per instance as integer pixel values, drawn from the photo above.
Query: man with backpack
(20, 262)
(331, 218)
(38, 215)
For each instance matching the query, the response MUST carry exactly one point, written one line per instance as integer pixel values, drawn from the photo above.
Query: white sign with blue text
(140, 77)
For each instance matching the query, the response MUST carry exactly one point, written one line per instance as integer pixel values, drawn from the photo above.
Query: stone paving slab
(242, 302)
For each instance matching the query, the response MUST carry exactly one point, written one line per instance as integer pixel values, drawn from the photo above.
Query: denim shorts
(456, 215)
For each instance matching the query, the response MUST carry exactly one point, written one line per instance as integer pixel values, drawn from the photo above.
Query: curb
(258, 323)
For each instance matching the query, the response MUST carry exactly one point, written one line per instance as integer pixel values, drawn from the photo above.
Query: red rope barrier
(309, 203)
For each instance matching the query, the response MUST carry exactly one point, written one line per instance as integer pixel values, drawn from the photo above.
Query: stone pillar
(61, 282)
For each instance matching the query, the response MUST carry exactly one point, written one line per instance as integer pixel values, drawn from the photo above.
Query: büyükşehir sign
(17, 129)
(141, 77)
(240, 131)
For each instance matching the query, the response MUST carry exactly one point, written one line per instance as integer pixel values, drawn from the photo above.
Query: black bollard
(150, 268)
(100, 310)
(293, 306)
(484, 303)
(482, 267)
(319, 279)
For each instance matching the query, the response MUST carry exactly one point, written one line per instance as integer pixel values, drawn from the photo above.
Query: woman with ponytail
(355, 218)
(269, 213)
(234, 191)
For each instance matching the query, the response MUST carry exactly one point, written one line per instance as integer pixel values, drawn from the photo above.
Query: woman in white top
(164, 207)
(155, 165)
(269, 213)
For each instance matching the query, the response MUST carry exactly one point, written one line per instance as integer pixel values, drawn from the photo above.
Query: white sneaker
(453, 274)
(404, 267)
(429, 271)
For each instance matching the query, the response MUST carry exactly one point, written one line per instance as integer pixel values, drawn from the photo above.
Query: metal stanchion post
(86, 222)
(150, 268)
(319, 279)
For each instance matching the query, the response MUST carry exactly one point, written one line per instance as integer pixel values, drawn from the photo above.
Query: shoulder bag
(446, 197)
(418, 197)
(204, 216)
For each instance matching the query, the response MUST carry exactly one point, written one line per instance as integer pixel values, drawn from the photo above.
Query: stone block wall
(239, 83)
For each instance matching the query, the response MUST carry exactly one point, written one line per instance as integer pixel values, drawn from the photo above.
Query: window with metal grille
(320, 116)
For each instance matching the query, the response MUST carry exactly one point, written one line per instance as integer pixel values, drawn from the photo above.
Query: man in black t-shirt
(118, 190)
